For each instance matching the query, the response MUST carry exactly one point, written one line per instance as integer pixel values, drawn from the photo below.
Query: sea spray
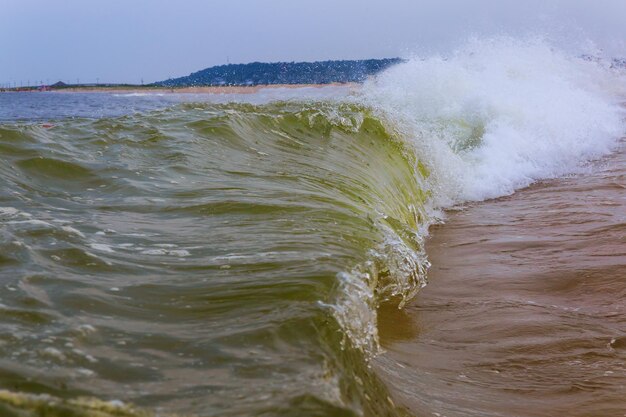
(499, 114)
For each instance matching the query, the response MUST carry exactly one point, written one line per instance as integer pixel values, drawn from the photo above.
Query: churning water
(228, 256)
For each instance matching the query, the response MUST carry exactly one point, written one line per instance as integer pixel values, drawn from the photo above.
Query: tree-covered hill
(259, 73)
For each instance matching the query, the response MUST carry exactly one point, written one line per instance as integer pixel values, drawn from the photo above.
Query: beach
(227, 89)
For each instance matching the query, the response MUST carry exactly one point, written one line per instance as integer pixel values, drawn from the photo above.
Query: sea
(446, 239)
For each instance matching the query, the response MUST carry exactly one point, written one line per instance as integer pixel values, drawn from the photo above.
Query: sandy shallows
(525, 311)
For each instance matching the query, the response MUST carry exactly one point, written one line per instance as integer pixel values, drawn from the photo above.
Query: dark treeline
(259, 73)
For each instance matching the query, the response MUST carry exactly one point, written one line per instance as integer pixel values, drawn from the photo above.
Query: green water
(204, 259)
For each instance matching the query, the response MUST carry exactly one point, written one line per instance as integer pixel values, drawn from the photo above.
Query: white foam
(8, 211)
(181, 253)
(101, 247)
(53, 353)
(34, 222)
(499, 114)
(71, 230)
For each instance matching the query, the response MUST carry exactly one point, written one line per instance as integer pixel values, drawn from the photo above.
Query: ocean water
(229, 255)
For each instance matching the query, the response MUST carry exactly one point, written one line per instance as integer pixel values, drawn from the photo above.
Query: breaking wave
(269, 234)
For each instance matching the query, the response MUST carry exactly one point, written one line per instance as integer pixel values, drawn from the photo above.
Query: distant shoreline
(234, 89)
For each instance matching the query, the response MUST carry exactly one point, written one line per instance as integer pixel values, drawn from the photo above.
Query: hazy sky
(127, 40)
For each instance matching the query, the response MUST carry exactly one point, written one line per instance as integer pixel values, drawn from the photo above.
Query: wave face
(188, 258)
(229, 259)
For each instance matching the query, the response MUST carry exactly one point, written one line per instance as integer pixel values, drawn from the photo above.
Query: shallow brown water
(524, 313)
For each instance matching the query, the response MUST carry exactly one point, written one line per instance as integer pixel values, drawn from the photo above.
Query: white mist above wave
(499, 114)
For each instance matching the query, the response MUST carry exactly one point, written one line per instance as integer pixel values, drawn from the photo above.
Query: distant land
(260, 73)
(247, 78)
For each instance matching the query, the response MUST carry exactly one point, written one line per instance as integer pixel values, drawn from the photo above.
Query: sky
(151, 40)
